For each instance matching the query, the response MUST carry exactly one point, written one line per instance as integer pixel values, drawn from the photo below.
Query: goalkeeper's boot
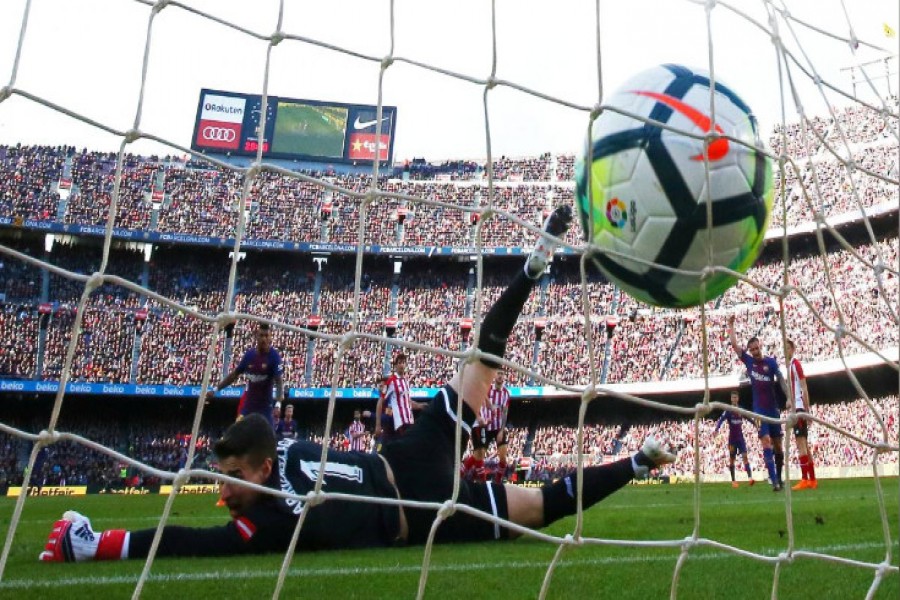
(652, 455)
(802, 485)
(735, 484)
(813, 484)
(751, 483)
(556, 225)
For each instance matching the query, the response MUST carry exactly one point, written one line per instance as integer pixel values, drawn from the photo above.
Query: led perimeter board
(228, 123)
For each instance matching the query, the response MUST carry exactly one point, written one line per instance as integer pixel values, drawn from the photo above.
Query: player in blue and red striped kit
(287, 428)
(263, 369)
(765, 378)
(736, 442)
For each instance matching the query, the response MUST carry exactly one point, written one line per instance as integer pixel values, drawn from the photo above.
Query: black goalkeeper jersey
(269, 525)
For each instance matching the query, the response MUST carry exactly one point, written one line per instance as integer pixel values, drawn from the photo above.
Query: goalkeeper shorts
(424, 463)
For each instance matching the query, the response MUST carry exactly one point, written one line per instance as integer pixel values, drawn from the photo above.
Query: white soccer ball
(648, 188)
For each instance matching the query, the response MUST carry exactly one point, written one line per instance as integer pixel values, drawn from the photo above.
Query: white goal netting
(835, 152)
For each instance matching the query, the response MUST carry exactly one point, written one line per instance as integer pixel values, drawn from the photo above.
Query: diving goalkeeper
(418, 466)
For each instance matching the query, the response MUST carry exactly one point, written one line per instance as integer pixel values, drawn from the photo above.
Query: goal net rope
(803, 145)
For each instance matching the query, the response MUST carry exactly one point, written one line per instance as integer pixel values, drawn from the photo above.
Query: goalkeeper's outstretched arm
(74, 539)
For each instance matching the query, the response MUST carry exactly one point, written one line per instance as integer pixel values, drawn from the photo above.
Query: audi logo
(218, 134)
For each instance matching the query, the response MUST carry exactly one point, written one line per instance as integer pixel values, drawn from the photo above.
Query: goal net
(500, 82)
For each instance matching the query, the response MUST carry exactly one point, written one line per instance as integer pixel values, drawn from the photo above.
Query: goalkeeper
(419, 466)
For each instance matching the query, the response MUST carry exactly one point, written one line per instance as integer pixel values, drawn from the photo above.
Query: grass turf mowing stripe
(263, 574)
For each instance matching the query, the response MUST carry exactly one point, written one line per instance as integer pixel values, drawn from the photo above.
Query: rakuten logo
(223, 108)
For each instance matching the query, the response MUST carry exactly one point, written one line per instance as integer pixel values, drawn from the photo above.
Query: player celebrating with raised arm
(764, 375)
(736, 442)
(263, 369)
(418, 466)
(800, 394)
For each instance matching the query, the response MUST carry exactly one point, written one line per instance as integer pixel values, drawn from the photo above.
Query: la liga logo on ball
(706, 159)
(616, 213)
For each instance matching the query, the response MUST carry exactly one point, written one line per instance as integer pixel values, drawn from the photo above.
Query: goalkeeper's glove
(73, 539)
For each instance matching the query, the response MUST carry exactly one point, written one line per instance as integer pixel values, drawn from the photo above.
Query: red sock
(804, 466)
(469, 462)
(501, 471)
(810, 468)
(479, 470)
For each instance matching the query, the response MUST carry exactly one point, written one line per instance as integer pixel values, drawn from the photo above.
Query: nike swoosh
(718, 148)
(357, 124)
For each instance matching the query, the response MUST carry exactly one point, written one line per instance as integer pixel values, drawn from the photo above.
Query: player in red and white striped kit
(491, 428)
(398, 398)
(497, 410)
(800, 395)
(356, 433)
(384, 416)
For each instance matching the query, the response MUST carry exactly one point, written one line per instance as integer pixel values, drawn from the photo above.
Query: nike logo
(718, 148)
(357, 124)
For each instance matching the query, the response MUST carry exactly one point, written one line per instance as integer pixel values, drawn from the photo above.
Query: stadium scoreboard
(229, 122)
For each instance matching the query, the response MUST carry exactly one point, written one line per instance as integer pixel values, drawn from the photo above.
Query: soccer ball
(649, 195)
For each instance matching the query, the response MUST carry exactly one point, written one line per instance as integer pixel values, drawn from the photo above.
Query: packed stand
(635, 343)
(207, 201)
(153, 442)
(658, 344)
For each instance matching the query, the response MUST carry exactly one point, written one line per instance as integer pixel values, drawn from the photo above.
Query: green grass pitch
(840, 518)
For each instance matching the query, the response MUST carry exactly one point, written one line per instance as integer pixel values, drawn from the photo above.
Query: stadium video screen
(231, 123)
(310, 130)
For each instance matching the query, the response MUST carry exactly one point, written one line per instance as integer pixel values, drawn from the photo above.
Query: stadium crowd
(634, 343)
(149, 438)
(190, 198)
(629, 341)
